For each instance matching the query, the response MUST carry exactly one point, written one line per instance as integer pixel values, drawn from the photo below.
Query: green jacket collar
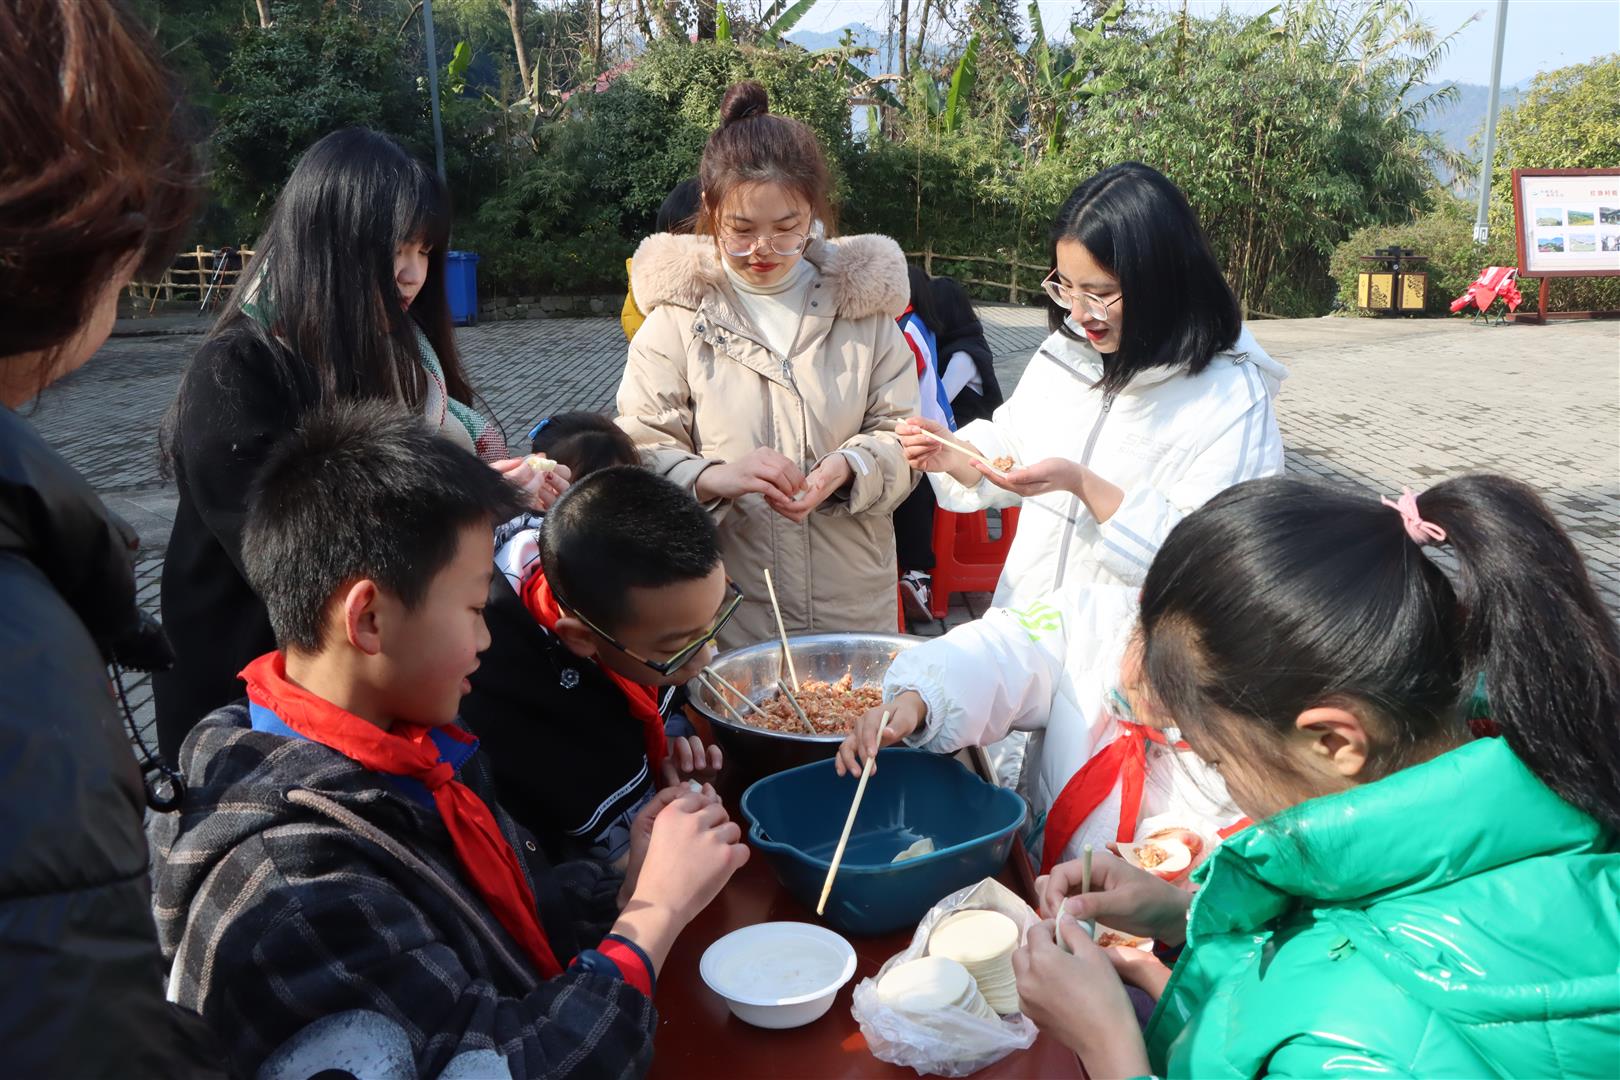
(1465, 812)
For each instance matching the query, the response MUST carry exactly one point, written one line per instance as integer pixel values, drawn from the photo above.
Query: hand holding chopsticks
(849, 823)
(961, 448)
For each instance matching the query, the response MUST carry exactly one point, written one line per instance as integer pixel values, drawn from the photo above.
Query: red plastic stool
(965, 558)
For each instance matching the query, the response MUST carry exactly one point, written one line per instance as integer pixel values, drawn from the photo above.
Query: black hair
(583, 441)
(622, 528)
(922, 299)
(680, 208)
(1179, 310)
(319, 294)
(1279, 595)
(360, 490)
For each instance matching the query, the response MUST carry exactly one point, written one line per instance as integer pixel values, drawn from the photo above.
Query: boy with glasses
(609, 606)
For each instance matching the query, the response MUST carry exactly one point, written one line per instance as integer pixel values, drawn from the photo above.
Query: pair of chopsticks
(718, 684)
(849, 822)
(787, 657)
(961, 449)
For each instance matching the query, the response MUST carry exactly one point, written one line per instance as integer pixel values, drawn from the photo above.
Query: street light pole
(1482, 225)
(433, 86)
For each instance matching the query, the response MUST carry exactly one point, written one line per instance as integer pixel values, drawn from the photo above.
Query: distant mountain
(816, 40)
(1463, 120)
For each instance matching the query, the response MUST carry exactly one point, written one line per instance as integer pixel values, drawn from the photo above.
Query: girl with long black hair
(344, 298)
(1431, 758)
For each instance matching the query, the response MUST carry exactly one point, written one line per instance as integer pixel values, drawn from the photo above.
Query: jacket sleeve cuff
(619, 957)
(685, 473)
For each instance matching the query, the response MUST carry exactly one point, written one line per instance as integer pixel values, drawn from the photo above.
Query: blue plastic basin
(795, 818)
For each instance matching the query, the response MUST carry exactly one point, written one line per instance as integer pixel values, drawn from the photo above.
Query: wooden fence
(206, 277)
(1023, 278)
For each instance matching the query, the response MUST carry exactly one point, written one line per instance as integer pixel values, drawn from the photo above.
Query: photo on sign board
(1583, 241)
(1611, 241)
(1609, 215)
(1550, 244)
(1549, 215)
(1582, 217)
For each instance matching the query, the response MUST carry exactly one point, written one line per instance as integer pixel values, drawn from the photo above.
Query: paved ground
(1377, 404)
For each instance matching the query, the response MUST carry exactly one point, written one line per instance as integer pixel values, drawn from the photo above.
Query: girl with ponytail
(1433, 883)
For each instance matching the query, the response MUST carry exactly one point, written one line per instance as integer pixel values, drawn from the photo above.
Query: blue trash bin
(461, 285)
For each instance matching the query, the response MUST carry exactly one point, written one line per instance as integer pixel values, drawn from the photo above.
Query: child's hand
(641, 829)
(1122, 896)
(542, 488)
(694, 850)
(906, 714)
(1077, 996)
(689, 759)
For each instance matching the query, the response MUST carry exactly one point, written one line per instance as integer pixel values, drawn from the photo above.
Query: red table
(698, 1036)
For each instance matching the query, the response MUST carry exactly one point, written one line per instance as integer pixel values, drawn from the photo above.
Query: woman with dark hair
(1430, 756)
(770, 376)
(1148, 398)
(96, 186)
(344, 298)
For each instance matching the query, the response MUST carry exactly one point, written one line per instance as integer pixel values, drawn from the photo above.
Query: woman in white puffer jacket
(1052, 669)
(1147, 399)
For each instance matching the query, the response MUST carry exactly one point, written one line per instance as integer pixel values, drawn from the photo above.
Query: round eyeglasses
(742, 245)
(1092, 306)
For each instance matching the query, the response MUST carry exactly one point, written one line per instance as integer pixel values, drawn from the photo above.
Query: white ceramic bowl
(778, 974)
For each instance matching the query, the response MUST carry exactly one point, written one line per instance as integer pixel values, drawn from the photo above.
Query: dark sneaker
(916, 589)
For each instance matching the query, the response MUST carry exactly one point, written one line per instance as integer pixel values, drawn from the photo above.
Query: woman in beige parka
(769, 377)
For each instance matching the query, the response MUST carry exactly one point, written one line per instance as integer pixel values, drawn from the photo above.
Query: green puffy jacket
(1456, 919)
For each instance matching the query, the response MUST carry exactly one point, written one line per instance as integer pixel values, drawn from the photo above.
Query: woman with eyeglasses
(1148, 398)
(770, 375)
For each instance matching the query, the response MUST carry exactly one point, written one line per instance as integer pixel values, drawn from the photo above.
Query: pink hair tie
(1422, 532)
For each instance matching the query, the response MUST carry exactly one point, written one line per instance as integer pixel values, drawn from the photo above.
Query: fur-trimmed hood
(866, 275)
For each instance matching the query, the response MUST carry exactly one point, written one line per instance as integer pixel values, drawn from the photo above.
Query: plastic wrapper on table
(945, 1042)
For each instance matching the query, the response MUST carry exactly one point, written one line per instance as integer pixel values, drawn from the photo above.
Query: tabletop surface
(698, 1037)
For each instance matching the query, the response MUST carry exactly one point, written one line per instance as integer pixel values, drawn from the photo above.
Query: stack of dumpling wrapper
(930, 984)
(982, 942)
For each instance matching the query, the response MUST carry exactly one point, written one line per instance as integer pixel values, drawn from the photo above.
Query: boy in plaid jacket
(340, 888)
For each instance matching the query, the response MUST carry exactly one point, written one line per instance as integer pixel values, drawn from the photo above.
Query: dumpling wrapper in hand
(925, 846)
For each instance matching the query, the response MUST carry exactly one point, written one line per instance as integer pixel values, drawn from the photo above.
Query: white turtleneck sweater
(776, 309)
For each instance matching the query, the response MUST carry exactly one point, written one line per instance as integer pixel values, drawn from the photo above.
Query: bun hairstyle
(1279, 595)
(752, 145)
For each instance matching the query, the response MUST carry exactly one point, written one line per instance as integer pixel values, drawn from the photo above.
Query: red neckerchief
(1123, 761)
(485, 856)
(643, 700)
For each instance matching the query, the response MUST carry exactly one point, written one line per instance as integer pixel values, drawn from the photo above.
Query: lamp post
(433, 87)
(1482, 225)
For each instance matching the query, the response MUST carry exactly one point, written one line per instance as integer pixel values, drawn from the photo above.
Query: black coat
(959, 330)
(238, 400)
(81, 978)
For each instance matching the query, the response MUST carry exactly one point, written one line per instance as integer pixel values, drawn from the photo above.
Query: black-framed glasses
(684, 656)
(741, 245)
(1095, 307)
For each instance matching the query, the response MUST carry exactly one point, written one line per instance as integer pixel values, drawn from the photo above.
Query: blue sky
(1541, 34)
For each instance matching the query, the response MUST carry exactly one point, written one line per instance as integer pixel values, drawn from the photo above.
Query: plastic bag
(949, 1042)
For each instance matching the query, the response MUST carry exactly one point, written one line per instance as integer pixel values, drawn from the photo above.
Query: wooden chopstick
(793, 703)
(960, 449)
(721, 697)
(787, 653)
(849, 822)
(723, 681)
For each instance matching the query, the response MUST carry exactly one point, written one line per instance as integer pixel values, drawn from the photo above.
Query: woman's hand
(1077, 996)
(762, 471)
(825, 479)
(906, 714)
(542, 488)
(1123, 896)
(689, 759)
(1053, 474)
(930, 455)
